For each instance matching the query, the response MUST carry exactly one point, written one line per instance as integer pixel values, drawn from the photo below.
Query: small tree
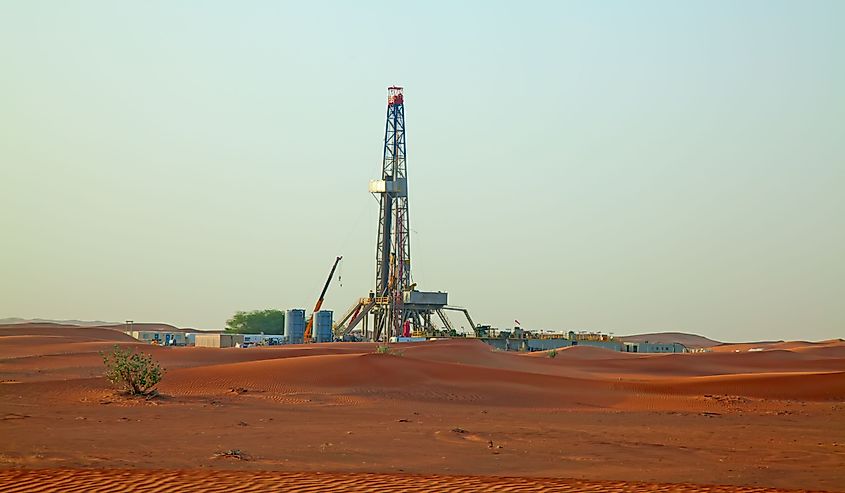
(552, 353)
(256, 322)
(136, 373)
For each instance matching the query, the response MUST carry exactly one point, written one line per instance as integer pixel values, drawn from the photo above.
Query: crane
(310, 324)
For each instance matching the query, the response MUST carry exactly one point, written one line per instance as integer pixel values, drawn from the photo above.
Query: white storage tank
(322, 326)
(295, 325)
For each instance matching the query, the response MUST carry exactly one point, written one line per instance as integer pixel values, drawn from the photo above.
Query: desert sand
(451, 414)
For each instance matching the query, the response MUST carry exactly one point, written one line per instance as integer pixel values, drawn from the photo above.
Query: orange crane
(310, 324)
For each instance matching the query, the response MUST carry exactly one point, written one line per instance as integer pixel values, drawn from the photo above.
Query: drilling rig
(395, 305)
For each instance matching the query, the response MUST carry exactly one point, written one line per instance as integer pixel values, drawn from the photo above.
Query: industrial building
(647, 347)
(262, 340)
(218, 340)
(530, 343)
(546, 344)
(292, 333)
(224, 340)
(519, 339)
(160, 337)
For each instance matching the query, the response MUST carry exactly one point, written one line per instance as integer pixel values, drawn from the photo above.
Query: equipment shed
(218, 340)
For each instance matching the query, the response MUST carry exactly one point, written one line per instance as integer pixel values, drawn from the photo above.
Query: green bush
(552, 353)
(385, 349)
(135, 373)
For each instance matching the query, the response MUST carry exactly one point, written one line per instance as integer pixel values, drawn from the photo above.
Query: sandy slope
(688, 340)
(786, 345)
(61, 330)
(763, 418)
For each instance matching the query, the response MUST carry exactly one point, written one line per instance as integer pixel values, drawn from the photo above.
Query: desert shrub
(384, 349)
(136, 373)
(552, 353)
(232, 454)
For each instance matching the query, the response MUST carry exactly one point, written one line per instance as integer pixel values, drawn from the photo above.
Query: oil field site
(389, 396)
(281, 246)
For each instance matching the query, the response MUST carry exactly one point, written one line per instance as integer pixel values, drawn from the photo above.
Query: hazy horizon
(618, 167)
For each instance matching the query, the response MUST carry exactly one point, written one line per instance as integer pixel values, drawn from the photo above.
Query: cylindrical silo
(294, 325)
(323, 326)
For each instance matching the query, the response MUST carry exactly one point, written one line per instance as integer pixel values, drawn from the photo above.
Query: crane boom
(310, 324)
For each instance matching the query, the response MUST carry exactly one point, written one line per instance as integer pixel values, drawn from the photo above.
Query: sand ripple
(90, 480)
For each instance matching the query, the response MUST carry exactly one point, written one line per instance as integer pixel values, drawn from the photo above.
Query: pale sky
(613, 166)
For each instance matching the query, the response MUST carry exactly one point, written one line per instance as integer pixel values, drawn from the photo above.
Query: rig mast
(393, 248)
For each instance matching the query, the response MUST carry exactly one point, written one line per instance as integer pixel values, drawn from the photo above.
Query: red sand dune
(761, 418)
(688, 340)
(807, 386)
(69, 332)
(787, 345)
